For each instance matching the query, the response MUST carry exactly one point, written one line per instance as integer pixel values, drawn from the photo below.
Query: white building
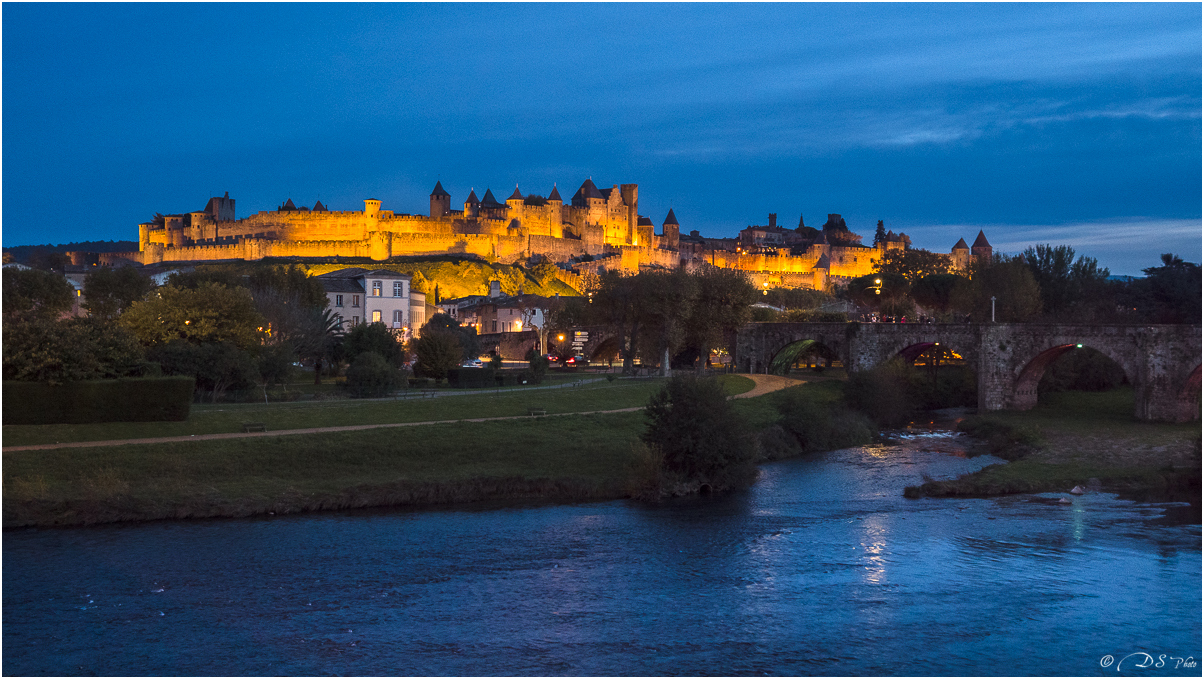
(378, 296)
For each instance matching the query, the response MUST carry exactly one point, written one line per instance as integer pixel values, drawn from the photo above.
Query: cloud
(1124, 245)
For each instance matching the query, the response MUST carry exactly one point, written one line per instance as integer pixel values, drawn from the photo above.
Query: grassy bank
(227, 418)
(577, 458)
(1071, 438)
(574, 458)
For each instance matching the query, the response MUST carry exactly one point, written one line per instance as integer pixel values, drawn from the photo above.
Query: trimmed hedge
(144, 399)
(470, 378)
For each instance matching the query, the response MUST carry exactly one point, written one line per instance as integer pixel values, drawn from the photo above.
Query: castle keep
(604, 224)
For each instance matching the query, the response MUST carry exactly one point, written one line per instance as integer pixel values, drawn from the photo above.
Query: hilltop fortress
(596, 228)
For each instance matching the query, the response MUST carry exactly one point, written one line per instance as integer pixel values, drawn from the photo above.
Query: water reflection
(821, 568)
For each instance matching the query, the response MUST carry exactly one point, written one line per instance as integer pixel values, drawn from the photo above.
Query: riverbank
(1088, 439)
(572, 457)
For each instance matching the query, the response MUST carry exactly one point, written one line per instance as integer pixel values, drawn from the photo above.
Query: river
(822, 568)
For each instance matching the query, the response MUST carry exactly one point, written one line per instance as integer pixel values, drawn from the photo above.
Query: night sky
(1076, 124)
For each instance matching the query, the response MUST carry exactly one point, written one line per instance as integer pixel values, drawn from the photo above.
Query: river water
(822, 568)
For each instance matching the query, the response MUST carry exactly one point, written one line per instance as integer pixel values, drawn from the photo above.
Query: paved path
(764, 385)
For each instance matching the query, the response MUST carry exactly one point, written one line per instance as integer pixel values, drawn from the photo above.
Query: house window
(398, 289)
(495, 325)
(355, 320)
(355, 300)
(338, 300)
(376, 288)
(376, 317)
(397, 320)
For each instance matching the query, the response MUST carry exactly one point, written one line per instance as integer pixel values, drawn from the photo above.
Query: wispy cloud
(1125, 245)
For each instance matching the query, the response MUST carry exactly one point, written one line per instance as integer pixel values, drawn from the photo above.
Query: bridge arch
(607, 348)
(1024, 395)
(788, 355)
(912, 352)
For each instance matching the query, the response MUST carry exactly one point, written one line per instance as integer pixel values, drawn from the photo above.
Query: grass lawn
(565, 458)
(576, 458)
(456, 405)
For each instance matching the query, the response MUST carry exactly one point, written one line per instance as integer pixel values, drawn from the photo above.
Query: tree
(1064, 283)
(879, 233)
(537, 363)
(377, 339)
(877, 290)
(697, 433)
(938, 291)
(671, 297)
(797, 298)
(1010, 281)
(371, 376)
(619, 302)
(532, 307)
(437, 350)
(913, 263)
(41, 349)
(291, 282)
(211, 312)
(217, 366)
(108, 291)
(1170, 293)
(718, 310)
(466, 336)
(33, 292)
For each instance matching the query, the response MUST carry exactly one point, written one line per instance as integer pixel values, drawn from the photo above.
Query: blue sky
(1063, 123)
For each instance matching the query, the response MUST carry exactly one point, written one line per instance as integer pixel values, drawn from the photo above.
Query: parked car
(475, 363)
(552, 358)
(575, 361)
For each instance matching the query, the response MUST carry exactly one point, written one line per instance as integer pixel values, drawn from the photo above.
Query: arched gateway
(1161, 361)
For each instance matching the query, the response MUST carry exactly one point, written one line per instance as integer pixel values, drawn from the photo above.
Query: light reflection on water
(821, 568)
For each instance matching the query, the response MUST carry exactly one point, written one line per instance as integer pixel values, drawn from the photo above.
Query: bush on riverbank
(698, 437)
(818, 427)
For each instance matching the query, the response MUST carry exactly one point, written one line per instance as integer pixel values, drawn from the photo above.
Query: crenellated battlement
(601, 223)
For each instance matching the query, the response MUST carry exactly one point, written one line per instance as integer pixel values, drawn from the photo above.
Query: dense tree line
(1044, 283)
(228, 329)
(672, 317)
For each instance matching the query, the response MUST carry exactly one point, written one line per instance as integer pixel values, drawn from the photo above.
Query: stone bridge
(1162, 362)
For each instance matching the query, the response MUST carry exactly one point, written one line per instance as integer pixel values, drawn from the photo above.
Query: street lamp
(992, 308)
(765, 285)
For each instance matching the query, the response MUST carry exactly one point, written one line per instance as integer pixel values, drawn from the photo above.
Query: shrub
(370, 376)
(124, 400)
(374, 337)
(216, 366)
(775, 443)
(470, 378)
(438, 351)
(538, 366)
(695, 430)
(819, 427)
(952, 386)
(882, 393)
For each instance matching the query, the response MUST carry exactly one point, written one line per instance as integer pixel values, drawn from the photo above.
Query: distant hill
(23, 253)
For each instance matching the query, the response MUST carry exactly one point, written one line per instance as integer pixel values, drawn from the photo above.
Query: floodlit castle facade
(604, 224)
